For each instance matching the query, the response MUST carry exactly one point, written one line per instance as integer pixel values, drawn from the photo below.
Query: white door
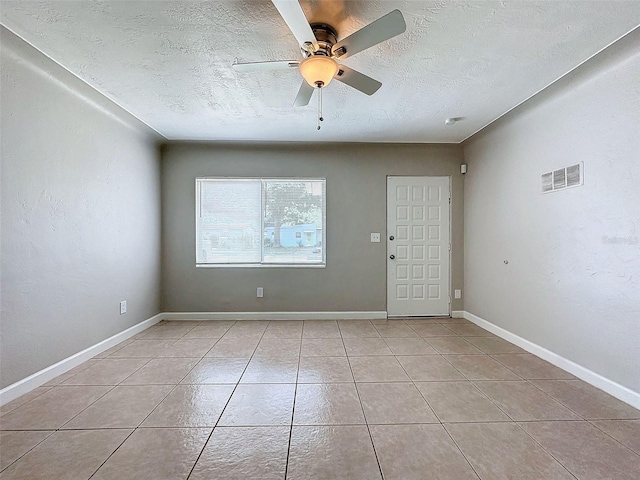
(418, 246)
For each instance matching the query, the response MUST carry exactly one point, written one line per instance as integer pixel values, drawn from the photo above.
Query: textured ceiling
(169, 62)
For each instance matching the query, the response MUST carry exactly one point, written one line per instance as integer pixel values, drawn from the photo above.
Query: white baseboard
(25, 385)
(273, 315)
(612, 388)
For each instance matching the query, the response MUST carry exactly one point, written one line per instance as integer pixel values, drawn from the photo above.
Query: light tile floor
(354, 399)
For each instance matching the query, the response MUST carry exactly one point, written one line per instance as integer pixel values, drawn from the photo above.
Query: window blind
(242, 221)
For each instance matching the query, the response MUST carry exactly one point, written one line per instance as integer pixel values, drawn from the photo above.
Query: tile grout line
(545, 450)
(521, 379)
(143, 420)
(62, 385)
(51, 432)
(580, 419)
(466, 379)
(439, 419)
(509, 416)
(85, 408)
(422, 394)
(61, 382)
(293, 409)
(47, 386)
(217, 340)
(529, 381)
(590, 422)
(495, 403)
(364, 415)
(413, 382)
(112, 453)
(204, 445)
(456, 422)
(444, 427)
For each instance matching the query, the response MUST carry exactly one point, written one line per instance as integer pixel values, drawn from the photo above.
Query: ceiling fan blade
(304, 95)
(357, 80)
(384, 28)
(294, 17)
(265, 66)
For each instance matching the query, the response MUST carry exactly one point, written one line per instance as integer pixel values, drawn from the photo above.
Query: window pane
(228, 221)
(294, 221)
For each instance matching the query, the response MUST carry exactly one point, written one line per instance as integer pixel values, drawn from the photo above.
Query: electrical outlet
(375, 238)
(458, 293)
(259, 292)
(123, 307)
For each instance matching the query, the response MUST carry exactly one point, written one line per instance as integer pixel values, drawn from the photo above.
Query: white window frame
(262, 264)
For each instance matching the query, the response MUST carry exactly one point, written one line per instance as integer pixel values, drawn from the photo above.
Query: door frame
(387, 252)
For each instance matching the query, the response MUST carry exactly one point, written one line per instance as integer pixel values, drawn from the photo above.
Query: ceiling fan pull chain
(320, 119)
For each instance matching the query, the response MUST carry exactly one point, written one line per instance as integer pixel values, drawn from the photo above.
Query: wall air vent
(574, 175)
(563, 178)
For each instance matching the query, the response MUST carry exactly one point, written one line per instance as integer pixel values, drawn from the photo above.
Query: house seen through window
(252, 222)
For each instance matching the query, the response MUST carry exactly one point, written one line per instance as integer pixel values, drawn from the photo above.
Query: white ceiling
(169, 62)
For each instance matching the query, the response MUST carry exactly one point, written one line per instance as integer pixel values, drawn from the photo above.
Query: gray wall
(572, 284)
(355, 276)
(80, 214)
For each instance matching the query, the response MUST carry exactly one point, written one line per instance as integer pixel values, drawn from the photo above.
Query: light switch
(375, 238)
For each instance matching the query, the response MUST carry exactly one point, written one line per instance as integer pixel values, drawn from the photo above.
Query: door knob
(392, 257)
(391, 237)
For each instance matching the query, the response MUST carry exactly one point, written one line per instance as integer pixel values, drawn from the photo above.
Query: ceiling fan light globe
(318, 70)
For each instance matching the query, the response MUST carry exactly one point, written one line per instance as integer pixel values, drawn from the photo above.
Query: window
(253, 222)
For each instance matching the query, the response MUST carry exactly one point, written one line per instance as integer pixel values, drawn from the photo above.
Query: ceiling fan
(321, 51)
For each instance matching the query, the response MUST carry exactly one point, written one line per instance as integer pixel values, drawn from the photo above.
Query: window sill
(254, 265)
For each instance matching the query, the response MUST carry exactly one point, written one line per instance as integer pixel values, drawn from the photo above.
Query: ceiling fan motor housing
(326, 37)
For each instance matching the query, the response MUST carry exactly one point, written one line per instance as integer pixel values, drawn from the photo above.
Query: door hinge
(449, 247)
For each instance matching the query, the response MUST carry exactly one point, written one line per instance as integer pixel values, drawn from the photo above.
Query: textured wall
(80, 214)
(355, 276)
(572, 284)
